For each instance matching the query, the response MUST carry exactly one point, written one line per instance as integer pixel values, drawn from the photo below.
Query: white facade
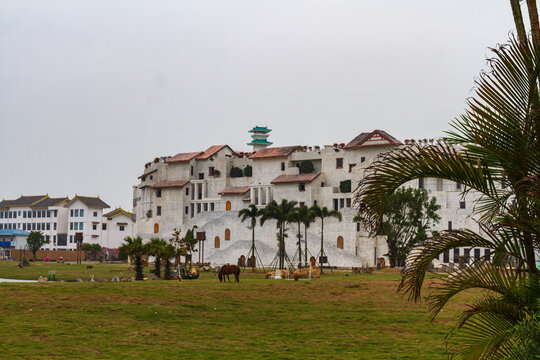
(184, 190)
(59, 219)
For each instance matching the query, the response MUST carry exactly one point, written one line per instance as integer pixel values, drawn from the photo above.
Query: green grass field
(335, 317)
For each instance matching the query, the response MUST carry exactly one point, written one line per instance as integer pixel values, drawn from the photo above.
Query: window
(458, 186)
(446, 257)
(351, 167)
(449, 225)
(302, 187)
(315, 202)
(39, 226)
(76, 226)
(55, 213)
(48, 226)
(158, 210)
(348, 202)
(71, 213)
(462, 204)
(24, 226)
(81, 213)
(340, 242)
(34, 226)
(158, 193)
(487, 254)
(70, 226)
(191, 171)
(76, 212)
(54, 226)
(198, 208)
(456, 255)
(39, 214)
(228, 206)
(227, 234)
(362, 159)
(54, 239)
(341, 203)
(322, 183)
(70, 239)
(358, 226)
(467, 255)
(201, 176)
(339, 163)
(186, 210)
(94, 226)
(103, 226)
(187, 191)
(301, 204)
(216, 242)
(210, 171)
(211, 206)
(48, 213)
(205, 207)
(421, 183)
(156, 228)
(282, 166)
(24, 214)
(336, 204)
(33, 214)
(122, 227)
(95, 213)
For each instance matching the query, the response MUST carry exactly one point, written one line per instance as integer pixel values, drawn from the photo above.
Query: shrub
(236, 172)
(345, 186)
(306, 167)
(25, 261)
(248, 170)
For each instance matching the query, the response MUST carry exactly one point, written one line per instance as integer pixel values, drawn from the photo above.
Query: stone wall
(53, 254)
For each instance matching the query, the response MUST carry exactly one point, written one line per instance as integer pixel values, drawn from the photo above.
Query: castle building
(59, 219)
(207, 189)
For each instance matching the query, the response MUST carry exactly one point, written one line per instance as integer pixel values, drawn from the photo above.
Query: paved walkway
(15, 280)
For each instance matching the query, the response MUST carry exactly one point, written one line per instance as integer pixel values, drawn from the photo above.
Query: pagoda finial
(259, 137)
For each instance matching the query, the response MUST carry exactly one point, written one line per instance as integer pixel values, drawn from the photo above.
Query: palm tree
(168, 251)
(279, 212)
(295, 217)
(155, 248)
(494, 150)
(308, 216)
(323, 213)
(135, 248)
(188, 243)
(252, 213)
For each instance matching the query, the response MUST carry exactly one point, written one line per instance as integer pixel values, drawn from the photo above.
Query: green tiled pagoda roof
(260, 128)
(260, 141)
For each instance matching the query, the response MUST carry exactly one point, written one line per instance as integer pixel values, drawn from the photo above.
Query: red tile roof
(363, 140)
(287, 179)
(211, 151)
(183, 157)
(234, 190)
(169, 184)
(274, 152)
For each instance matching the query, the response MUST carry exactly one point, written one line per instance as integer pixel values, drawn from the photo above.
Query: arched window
(216, 242)
(340, 242)
(227, 234)
(228, 206)
(156, 228)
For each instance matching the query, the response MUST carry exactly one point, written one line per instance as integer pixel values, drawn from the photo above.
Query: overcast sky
(91, 90)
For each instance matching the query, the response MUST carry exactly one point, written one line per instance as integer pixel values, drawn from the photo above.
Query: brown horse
(229, 269)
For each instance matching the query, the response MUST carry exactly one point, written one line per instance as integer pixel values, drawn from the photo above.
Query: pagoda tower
(259, 137)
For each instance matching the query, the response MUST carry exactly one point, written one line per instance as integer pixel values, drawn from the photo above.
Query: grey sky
(91, 90)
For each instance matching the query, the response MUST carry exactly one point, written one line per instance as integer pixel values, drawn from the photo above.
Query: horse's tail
(220, 274)
(237, 274)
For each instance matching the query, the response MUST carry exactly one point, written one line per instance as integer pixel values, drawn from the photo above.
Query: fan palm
(155, 248)
(279, 212)
(251, 213)
(323, 213)
(168, 251)
(135, 248)
(494, 150)
(296, 217)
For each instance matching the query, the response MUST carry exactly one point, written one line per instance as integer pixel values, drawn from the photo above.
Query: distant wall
(53, 254)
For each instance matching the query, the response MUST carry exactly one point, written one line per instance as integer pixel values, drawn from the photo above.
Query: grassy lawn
(335, 317)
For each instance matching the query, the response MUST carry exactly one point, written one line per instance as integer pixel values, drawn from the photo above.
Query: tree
(279, 212)
(248, 170)
(306, 167)
(494, 150)
(236, 172)
(251, 213)
(323, 213)
(135, 248)
(296, 217)
(168, 252)
(345, 186)
(188, 243)
(155, 249)
(35, 241)
(308, 216)
(408, 216)
(93, 249)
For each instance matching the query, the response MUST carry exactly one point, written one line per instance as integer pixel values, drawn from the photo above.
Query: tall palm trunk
(253, 245)
(533, 17)
(322, 243)
(299, 246)
(305, 245)
(138, 268)
(157, 263)
(518, 20)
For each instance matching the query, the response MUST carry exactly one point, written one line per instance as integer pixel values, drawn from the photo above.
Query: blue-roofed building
(11, 239)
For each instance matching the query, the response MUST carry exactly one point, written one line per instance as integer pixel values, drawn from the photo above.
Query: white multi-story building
(199, 188)
(59, 219)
